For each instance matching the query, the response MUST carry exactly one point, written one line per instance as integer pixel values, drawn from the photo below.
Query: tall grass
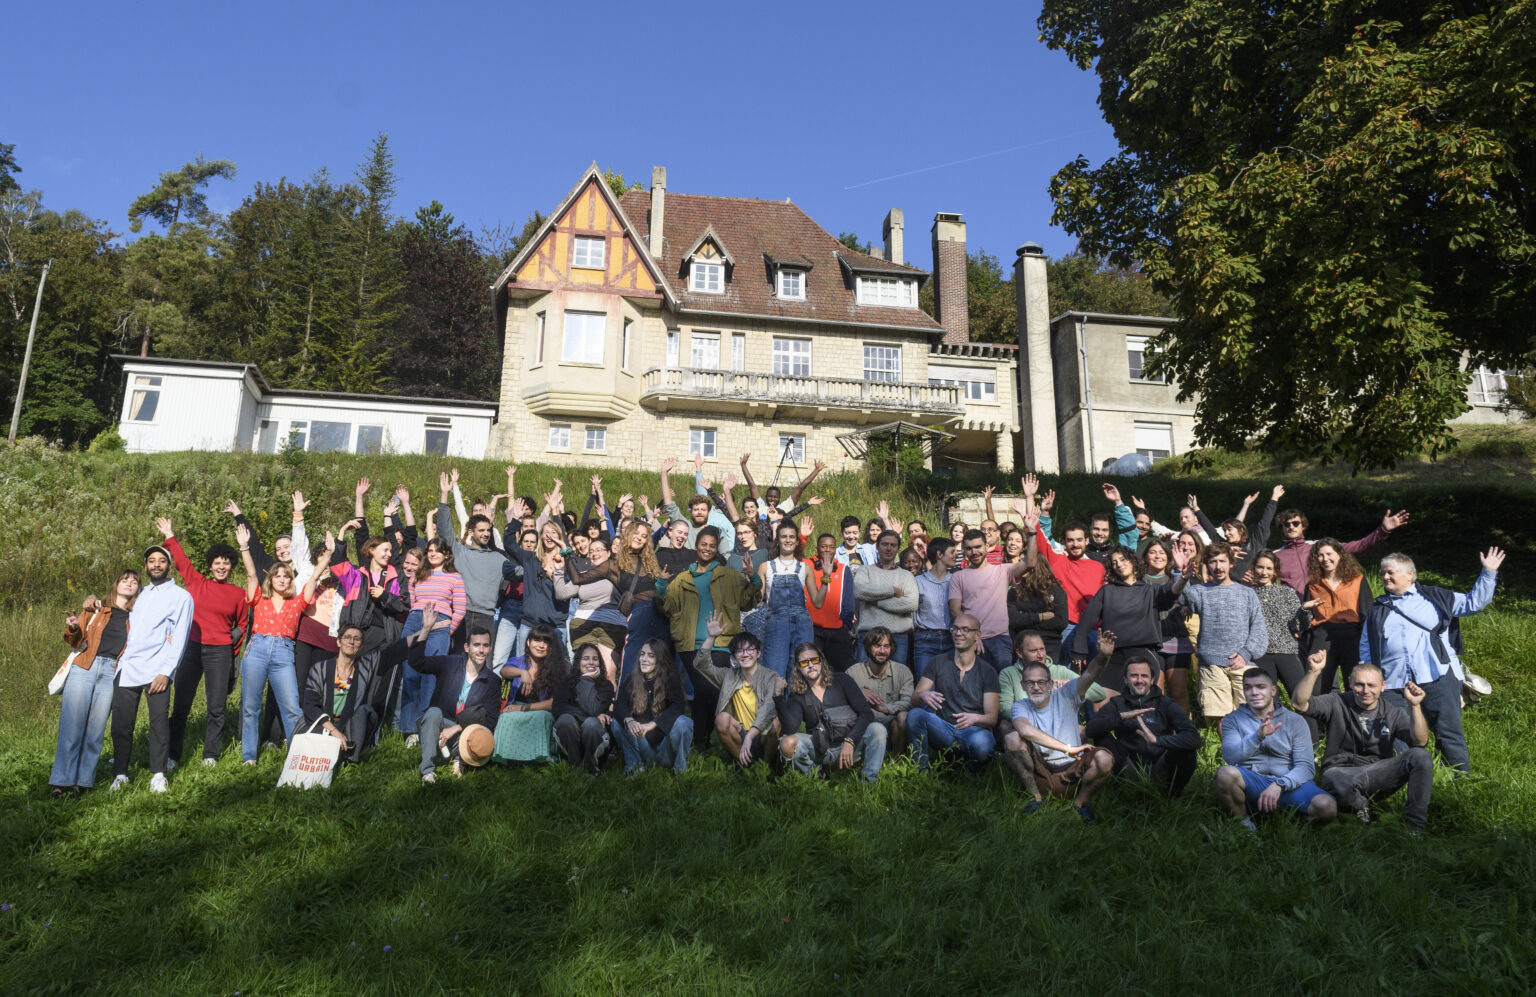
(540, 880)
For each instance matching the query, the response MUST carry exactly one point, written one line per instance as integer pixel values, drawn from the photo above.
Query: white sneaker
(118, 783)
(171, 765)
(458, 769)
(412, 741)
(251, 762)
(209, 763)
(430, 779)
(158, 783)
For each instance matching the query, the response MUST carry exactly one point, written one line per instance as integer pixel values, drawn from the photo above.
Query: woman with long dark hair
(788, 585)
(1339, 597)
(97, 634)
(1126, 606)
(649, 719)
(596, 619)
(583, 709)
(1037, 604)
(525, 729)
(435, 585)
(1284, 618)
(632, 570)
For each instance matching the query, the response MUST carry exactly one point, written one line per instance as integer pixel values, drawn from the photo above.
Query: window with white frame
(882, 363)
(624, 344)
(329, 437)
(706, 277)
(145, 399)
(792, 285)
(672, 338)
(559, 436)
(895, 291)
(792, 448)
(1139, 353)
(704, 351)
(583, 337)
(370, 439)
(298, 436)
(701, 443)
(977, 384)
(587, 252)
(1488, 386)
(791, 357)
(1154, 440)
(438, 429)
(738, 351)
(597, 440)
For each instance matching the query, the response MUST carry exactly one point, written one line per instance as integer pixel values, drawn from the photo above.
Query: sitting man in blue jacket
(468, 692)
(1269, 762)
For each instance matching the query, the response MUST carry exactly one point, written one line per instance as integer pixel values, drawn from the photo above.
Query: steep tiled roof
(777, 230)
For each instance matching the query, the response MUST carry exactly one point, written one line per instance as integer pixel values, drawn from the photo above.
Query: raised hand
(1111, 493)
(1181, 557)
(351, 524)
(625, 498)
(1031, 521)
(1392, 520)
(1193, 502)
(986, 492)
(231, 508)
(518, 509)
(896, 525)
(597, 482)
(815, 500)
(330, 542)
(807, 527)
(511, 471)
(164, 526)
(1414, 693)
(403, 494)
(668, 464)
(698, 463)
(744, 458)
(714, 625)
(1106, 643)
(1021, 507)
(453, 476)
(1276, 492)
(1492, 559)
(1030, 484)
(883, 510)
(819, 466)
(444, 485)
(1048, 502)
(242, 535)
(1317, 660)
(428, 618)
(363, 484)
(728, 482)
(1250, 499)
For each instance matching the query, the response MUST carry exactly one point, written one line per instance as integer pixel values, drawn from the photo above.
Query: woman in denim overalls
(788, 584)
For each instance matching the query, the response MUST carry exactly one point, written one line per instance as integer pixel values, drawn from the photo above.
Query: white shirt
(157, 634)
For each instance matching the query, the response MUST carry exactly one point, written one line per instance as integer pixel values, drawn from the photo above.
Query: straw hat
(476, 744)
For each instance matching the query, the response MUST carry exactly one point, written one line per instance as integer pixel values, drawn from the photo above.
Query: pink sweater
(444, 592)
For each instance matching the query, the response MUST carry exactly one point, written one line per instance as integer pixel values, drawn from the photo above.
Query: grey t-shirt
(1058, 719)
(962, 694)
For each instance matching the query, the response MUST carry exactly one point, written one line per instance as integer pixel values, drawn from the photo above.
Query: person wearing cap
(218, 611)
(158, 628)
(468, 692)
(1148, 734)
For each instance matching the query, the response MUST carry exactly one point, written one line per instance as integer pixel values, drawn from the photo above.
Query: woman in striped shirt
(437, 585)
(268, 655)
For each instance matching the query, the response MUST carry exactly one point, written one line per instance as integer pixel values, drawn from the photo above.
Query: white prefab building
(206, 405)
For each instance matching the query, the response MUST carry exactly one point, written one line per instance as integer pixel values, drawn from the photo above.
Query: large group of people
(644, 634)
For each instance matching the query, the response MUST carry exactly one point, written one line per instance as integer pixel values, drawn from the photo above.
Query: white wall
(404, 422)
(198, 409)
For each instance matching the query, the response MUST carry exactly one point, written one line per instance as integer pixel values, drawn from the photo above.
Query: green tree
(435, 221)
(501, 244)
(180, 192)
(618, 185)
(852, 241)
(1336, 200)
(1081, 283)
(8, 169)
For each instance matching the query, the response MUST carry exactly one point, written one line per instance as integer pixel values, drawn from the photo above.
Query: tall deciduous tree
(1337, 199)
(445, 341)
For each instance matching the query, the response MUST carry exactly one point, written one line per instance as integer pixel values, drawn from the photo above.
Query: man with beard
(158, 627)
(1046, 718)
(1148, 734)
(218, 612)
(886, 684)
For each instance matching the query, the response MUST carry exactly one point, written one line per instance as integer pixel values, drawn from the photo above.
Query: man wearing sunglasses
(1295, 547)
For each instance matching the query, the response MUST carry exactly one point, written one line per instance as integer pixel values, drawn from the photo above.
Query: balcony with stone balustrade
(787, 396)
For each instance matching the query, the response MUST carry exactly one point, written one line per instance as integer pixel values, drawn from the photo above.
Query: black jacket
(795, 709)
(317, 699)
(571, 699)
(1130, 612)
(670, 711)
(1170, 723)
(484, 700)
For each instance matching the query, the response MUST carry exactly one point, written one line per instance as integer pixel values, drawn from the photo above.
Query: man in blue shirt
(1411, 633)
(1269, 762)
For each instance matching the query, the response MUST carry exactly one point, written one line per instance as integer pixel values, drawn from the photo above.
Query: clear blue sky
(495, 109)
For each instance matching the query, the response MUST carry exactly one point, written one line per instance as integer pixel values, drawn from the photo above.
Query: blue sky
(848, 109)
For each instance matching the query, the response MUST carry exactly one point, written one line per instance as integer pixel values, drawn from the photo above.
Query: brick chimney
(658, 208)
(950, 307)
(894, 224)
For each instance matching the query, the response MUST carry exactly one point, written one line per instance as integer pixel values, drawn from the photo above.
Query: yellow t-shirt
(744, 705)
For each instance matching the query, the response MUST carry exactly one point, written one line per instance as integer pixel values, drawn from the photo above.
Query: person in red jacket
(218, 608)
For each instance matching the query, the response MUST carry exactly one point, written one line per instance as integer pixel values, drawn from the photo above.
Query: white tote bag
(311, 759)
(56, 684)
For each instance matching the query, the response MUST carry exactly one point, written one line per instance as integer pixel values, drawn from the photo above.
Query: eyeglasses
(803, 662)
(960, 630)
(1036, 683)
(350, 639)
(1291, 522)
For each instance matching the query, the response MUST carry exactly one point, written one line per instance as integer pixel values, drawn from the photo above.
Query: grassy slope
(558, 883)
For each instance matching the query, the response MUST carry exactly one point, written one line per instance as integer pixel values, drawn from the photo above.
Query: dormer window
(792, 285)
(897, 292)
(708, 278)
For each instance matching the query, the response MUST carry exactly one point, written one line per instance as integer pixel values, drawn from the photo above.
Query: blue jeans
(645, 623)
(673, 750)
(416, 689)
(87, 701)
(901, 650)
(1442, 711)
(508, 629)
(927, 645)
(1067, 652)
(870, 750)
(998, 650)
(977, 744)
(268, 660)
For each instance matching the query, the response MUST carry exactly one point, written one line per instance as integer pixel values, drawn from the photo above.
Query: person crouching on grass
(840, 727)
(1269, 761)
(745, 715)
(467, 693)
(1046, 718)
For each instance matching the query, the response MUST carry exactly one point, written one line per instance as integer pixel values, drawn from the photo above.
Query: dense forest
(322, 282)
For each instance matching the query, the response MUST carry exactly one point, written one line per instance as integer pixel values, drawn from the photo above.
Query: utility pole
(26, 360)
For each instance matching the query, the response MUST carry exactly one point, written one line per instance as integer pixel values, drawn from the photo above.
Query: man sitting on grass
(955, 703)
(1358, 763)
(467, 692)
(1147, 732)
(746, 716)
(1268, 755)
(1046, 718)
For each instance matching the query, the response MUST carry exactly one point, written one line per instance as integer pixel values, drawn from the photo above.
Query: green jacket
(731, 591)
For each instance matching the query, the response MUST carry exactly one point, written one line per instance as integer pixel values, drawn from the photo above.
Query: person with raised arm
(1268, 754)
(159, 626)
(1245, 545)
(1413, 633)
(745, 713)
(954, 704)
(1295, 548)
(632, 570)
(268, 657)
(481, 562)
(981, 590)
(1080, 576)
(1045, 718)
(219, 612)
(291, 547)
(1129, 606)
(1360, 765)
(98, 635)
(701, 512)
(596, 618)
(537, 568)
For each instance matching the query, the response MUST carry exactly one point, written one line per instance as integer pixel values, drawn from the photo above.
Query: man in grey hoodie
(1269, 761)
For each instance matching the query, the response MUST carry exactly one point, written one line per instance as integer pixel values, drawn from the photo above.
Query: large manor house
(662, 324)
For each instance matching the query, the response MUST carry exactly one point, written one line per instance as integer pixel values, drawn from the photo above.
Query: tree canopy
(1335, 198)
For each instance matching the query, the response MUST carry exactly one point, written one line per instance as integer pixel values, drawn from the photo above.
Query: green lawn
(541, 880)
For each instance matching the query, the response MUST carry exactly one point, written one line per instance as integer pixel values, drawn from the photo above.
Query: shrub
(109, 440)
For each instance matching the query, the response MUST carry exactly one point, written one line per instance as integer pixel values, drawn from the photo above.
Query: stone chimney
(658, 208)
(950, 305)
(878, 252)
(894, 223)
(1037, 383)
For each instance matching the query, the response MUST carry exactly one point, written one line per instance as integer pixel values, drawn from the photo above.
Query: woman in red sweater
(269, 653)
